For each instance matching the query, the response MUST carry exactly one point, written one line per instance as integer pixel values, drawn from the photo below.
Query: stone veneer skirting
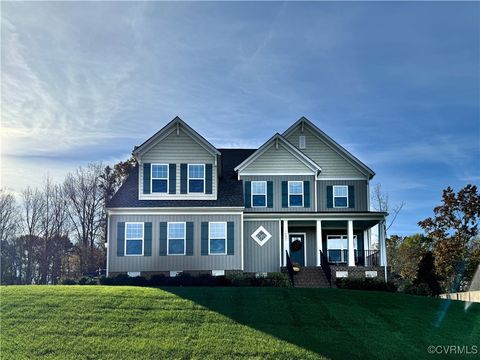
(359, 271)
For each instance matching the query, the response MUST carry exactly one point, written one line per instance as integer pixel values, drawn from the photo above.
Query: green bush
(365, 284)
(69, 282)
(87, 281)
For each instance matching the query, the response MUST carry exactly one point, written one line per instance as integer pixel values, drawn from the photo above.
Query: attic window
(302, 142)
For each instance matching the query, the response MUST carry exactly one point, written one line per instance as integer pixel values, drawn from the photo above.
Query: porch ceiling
(333, 224)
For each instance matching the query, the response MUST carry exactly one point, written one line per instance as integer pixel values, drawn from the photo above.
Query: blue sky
(397, 84)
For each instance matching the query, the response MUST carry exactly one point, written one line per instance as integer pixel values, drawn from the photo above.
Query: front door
(297, 248)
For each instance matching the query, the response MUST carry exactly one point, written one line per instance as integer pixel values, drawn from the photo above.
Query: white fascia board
(312, 216)
(176, 211)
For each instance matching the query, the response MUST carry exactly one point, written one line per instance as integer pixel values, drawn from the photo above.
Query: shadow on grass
(342, 324)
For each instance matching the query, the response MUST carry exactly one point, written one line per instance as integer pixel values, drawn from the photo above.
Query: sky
(397, 84)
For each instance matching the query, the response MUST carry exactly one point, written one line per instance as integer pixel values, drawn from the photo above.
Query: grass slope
(98, 322)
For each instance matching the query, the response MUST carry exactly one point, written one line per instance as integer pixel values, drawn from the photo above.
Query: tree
(453, 227)
(380, 202)
(427, 277)
(10, 256)
(409, 254)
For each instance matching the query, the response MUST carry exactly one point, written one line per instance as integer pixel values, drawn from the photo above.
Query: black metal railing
(290, 268)
(326, 267)
(362, 258)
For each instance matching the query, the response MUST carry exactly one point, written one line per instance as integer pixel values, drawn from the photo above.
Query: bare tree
(10, 256)
(380, 202)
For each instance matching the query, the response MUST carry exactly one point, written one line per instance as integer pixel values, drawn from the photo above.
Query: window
(340, 196)
(337, 248)
(302, 142)
(295, 193)
(261, 236)
(217, 238)
(176, 238)
(259, 193)
(133, 239)
(159, 178)
(196, 178)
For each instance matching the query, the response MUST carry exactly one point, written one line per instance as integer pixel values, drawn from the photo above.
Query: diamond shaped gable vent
(261, 236)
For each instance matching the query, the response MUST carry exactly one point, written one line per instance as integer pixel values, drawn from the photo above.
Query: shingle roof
(230, 192)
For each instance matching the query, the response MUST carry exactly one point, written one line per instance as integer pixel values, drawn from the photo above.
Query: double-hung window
(159, 178)
(337, 248)
(196, 178)
(340, 196)
(176, 238)
(217, 238)
(295, 193)
(259, 193)
(134, 238)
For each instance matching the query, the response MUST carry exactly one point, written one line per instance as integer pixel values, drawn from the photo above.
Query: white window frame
(126, 239)
(209, 237)
(303, 194)
(251, 190)
(333, 194)
(302, 144)
(151, 179)
(342, 238)
(188, 179)
(184, 237)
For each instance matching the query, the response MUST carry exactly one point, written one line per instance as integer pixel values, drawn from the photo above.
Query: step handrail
(290, 268)
(325, 265)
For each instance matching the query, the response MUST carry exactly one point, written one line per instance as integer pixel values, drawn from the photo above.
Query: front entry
(297, 248)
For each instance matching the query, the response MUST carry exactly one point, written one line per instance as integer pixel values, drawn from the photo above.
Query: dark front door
(297, 248)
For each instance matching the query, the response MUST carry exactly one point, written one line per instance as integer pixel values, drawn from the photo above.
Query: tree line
(58, 230)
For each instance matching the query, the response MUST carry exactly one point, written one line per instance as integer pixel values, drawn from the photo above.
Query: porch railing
(362, 258)
(290, 268)
(326, 267)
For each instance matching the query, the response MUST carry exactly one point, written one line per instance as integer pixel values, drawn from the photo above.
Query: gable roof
(230, 189)
(312, 165)
(332, 144)
(175, 125)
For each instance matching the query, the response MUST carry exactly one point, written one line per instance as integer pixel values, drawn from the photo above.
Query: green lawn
(99, 322)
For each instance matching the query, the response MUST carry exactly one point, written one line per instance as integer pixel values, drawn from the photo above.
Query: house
(190, 207)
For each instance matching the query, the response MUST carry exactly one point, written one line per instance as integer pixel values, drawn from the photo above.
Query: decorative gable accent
(261, 236)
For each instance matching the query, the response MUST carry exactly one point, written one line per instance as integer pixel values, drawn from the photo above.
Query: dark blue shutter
(208, 178)
(172, 178)
(306, 194)
(284, 194)
(147, 240)
(120, 239)
(329, 197)
(248, 194)
(163, 238)
(183, 178)
(351, 197)
(230, 238)
(270, 194)
(189, 238)
(146, 178)
(204, 238)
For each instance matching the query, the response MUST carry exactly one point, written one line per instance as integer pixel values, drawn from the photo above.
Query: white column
(381, 243)
(285, 241)
(351, 253)
(319, 241)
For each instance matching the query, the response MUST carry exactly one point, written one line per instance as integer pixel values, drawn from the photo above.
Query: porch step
(311, 277)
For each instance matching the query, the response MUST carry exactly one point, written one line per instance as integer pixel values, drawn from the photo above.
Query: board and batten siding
(264, 258)
(332, 163)
(156, 262)
(361, 194)
(276, 161)
(277, 192)
(178, 149)
(310, 242)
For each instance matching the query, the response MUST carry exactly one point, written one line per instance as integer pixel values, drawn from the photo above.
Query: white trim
(303, 193)
(340, 178)
(133, 239)
(256, 232)
(302, 144)
(342, 237)
(242, 265)
(108, 244)
(333, 194)
(304, 245)
(286, 247)
(184, 237)
(251, 193)
(209, 238)
(351, 244)
(167, 179)
(262, 173)
(316, 194)
(319, 240)
(176, 211)
(280, 242)
(204, 179)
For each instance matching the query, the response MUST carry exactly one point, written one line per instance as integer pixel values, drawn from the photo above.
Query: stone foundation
(359, 272)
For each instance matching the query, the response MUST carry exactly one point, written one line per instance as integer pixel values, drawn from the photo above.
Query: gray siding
(177, 262)
(332, 163)
(277, 192)
(276, 161)
(177, 149)
(310, 242)
(264, 258)
(360, 194)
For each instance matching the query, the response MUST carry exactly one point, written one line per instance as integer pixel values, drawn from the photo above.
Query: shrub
(365, 284)
(69, 282)
(274, 279)
(87, 281)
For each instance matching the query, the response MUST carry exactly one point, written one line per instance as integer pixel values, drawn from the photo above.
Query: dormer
(177, 163)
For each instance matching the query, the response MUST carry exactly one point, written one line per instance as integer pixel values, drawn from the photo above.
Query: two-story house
(190, 207)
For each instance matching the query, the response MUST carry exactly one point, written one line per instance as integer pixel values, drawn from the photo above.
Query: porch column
(319, 241)
(351, 253)
(381, 243)
(285, 241)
